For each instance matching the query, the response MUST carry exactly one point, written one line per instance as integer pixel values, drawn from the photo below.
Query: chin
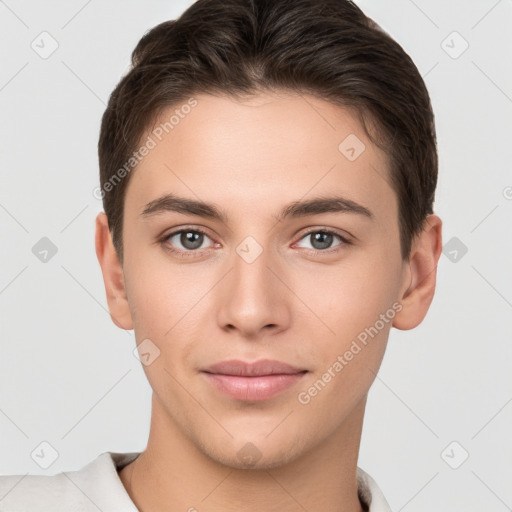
(256, 455)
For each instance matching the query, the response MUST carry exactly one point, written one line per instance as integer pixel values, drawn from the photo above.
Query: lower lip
(253, 389)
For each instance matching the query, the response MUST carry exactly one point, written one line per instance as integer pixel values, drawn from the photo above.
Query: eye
(186, 240)
(321, 240)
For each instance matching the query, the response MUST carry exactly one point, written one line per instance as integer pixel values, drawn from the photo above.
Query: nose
(253, 300)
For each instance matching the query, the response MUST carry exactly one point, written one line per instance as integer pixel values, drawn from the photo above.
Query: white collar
(369, 492)
(97, 486)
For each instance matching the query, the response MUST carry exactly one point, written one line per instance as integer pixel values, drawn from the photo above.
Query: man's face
(259, 285)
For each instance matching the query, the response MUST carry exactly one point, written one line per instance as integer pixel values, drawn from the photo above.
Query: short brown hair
(327, 48)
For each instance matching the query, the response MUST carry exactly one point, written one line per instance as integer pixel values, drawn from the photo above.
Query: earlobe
(420, 278)
(113, 276)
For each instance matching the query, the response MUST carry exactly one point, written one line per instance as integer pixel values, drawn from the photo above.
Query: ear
(420, 276)
(113, 276)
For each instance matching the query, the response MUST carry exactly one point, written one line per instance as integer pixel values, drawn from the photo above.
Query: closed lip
(239, 368)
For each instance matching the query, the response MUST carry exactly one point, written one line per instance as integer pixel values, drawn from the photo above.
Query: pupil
(191, 239)
(321, 240)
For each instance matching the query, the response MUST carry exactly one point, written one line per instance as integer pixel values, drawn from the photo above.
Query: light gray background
(68, 375)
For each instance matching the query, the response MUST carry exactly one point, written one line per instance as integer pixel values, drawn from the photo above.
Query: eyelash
(192, 252)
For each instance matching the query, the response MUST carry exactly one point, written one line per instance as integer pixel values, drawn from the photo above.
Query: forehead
(264, 149)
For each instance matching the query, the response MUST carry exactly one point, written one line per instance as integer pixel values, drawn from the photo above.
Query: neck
(173, 473)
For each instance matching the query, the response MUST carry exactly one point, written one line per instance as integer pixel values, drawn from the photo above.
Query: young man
(268, 170)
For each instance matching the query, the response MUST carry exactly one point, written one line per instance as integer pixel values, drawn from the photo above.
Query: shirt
(97, 487)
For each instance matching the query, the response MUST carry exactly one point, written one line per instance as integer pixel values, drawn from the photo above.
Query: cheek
(169, 305)
(159, 294)
(356, 304)
(352, 295)
(359, 309)
(161, 300)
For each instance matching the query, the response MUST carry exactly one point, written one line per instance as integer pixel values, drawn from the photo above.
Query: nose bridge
(252, 295)
(251, 275)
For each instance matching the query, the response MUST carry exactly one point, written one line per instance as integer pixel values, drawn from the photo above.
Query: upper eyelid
(323, 230)
(186, 228)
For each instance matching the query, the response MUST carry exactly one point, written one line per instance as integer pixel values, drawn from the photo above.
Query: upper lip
(254, 369)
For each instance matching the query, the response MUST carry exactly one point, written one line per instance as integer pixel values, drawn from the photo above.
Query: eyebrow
(174, 203)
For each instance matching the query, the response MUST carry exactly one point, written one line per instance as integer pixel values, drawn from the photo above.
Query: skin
(294, 303)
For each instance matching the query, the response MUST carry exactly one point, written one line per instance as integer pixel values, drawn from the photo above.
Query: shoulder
(95, 486)
(370, 493)
(34, 492)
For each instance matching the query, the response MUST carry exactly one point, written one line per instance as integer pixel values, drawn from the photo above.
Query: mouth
(253, 382)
